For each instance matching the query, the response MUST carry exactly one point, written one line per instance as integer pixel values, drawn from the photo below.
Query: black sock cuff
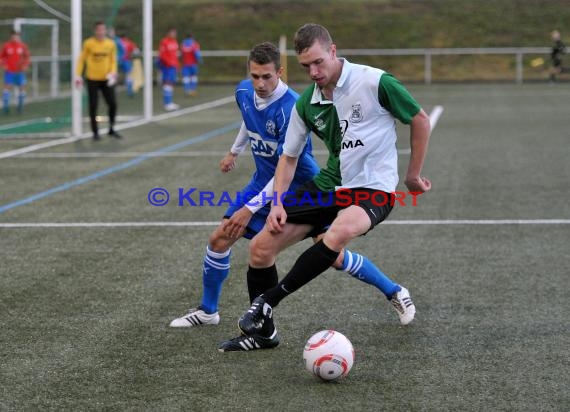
(268, 272)
(326, 251)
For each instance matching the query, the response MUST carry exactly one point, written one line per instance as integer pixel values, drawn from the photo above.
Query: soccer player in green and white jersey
(352, 108)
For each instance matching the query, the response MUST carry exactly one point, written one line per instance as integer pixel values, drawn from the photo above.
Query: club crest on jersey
(320, 124)
(270, 127)
(356, 114)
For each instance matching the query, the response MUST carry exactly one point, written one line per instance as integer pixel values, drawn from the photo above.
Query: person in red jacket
(168, 63)
(15, 60)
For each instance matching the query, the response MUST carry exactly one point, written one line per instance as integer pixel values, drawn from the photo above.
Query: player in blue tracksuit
(265, 103)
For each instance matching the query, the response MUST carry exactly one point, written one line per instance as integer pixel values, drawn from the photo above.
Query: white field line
(136, 123)
(440, 222)
(434, 116)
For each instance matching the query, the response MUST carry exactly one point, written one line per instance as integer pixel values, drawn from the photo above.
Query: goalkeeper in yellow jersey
(98, 64)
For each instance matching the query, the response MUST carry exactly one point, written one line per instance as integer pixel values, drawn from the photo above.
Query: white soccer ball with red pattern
(329, 355)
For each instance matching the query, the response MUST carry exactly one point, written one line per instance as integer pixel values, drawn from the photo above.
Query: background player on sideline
(191, 58)
(99, 61)
(15, 60)
(168, 61)
(126, 63)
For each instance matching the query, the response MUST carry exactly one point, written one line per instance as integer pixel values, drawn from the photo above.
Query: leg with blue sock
(129, 81)
(361, 268)
(6, 100)
(21, 98)
(167, 96)
(186, 83)
(215, 270)
(167, 92)
(193, 84)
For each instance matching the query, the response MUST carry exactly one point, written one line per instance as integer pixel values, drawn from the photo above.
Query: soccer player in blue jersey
(265, 103)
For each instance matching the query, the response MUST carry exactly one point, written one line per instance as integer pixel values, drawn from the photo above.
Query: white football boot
(195, 317)
(404, 306)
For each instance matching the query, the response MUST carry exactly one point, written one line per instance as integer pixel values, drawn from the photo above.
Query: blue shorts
(15, 78)
(126, 66)
(258, 219)
(190, 70)
(168, 74)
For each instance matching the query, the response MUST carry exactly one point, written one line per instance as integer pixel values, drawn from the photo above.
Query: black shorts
(309, 205)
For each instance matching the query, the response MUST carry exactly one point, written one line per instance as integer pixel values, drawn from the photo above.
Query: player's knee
(260, 253)
(339, 235)
(219, 242)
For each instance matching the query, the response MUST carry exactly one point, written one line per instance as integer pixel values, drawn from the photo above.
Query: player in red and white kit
(168, 63)
(130, 48)
(191, 57)
(15, 60)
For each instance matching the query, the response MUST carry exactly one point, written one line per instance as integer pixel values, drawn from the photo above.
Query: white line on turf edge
(434, 116)
(164, 116)
(443, 222)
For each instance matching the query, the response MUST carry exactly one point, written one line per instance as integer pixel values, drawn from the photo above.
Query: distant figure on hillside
(15, 60)
(191, 57)
(558, 49)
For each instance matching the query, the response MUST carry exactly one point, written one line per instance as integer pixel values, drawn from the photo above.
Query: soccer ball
(329, 355)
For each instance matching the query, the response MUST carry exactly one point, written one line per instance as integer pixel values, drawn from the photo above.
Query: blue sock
(130, 91)
(167, 92)
(6, 99)
(193, 83)
(216, 269)
(363, 269)
(21, 98)
(186, 83)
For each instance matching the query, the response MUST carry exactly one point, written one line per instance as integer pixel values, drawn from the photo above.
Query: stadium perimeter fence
(419, 65)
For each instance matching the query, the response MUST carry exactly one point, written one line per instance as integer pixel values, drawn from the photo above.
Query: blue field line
(119, 167)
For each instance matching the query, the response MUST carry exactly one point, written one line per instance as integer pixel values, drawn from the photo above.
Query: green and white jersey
(358, 128)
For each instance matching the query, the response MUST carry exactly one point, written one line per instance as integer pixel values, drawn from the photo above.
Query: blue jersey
(266, 129)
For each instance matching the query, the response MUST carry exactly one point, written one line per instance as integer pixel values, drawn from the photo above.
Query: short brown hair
(265, 53)
(308, 34)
